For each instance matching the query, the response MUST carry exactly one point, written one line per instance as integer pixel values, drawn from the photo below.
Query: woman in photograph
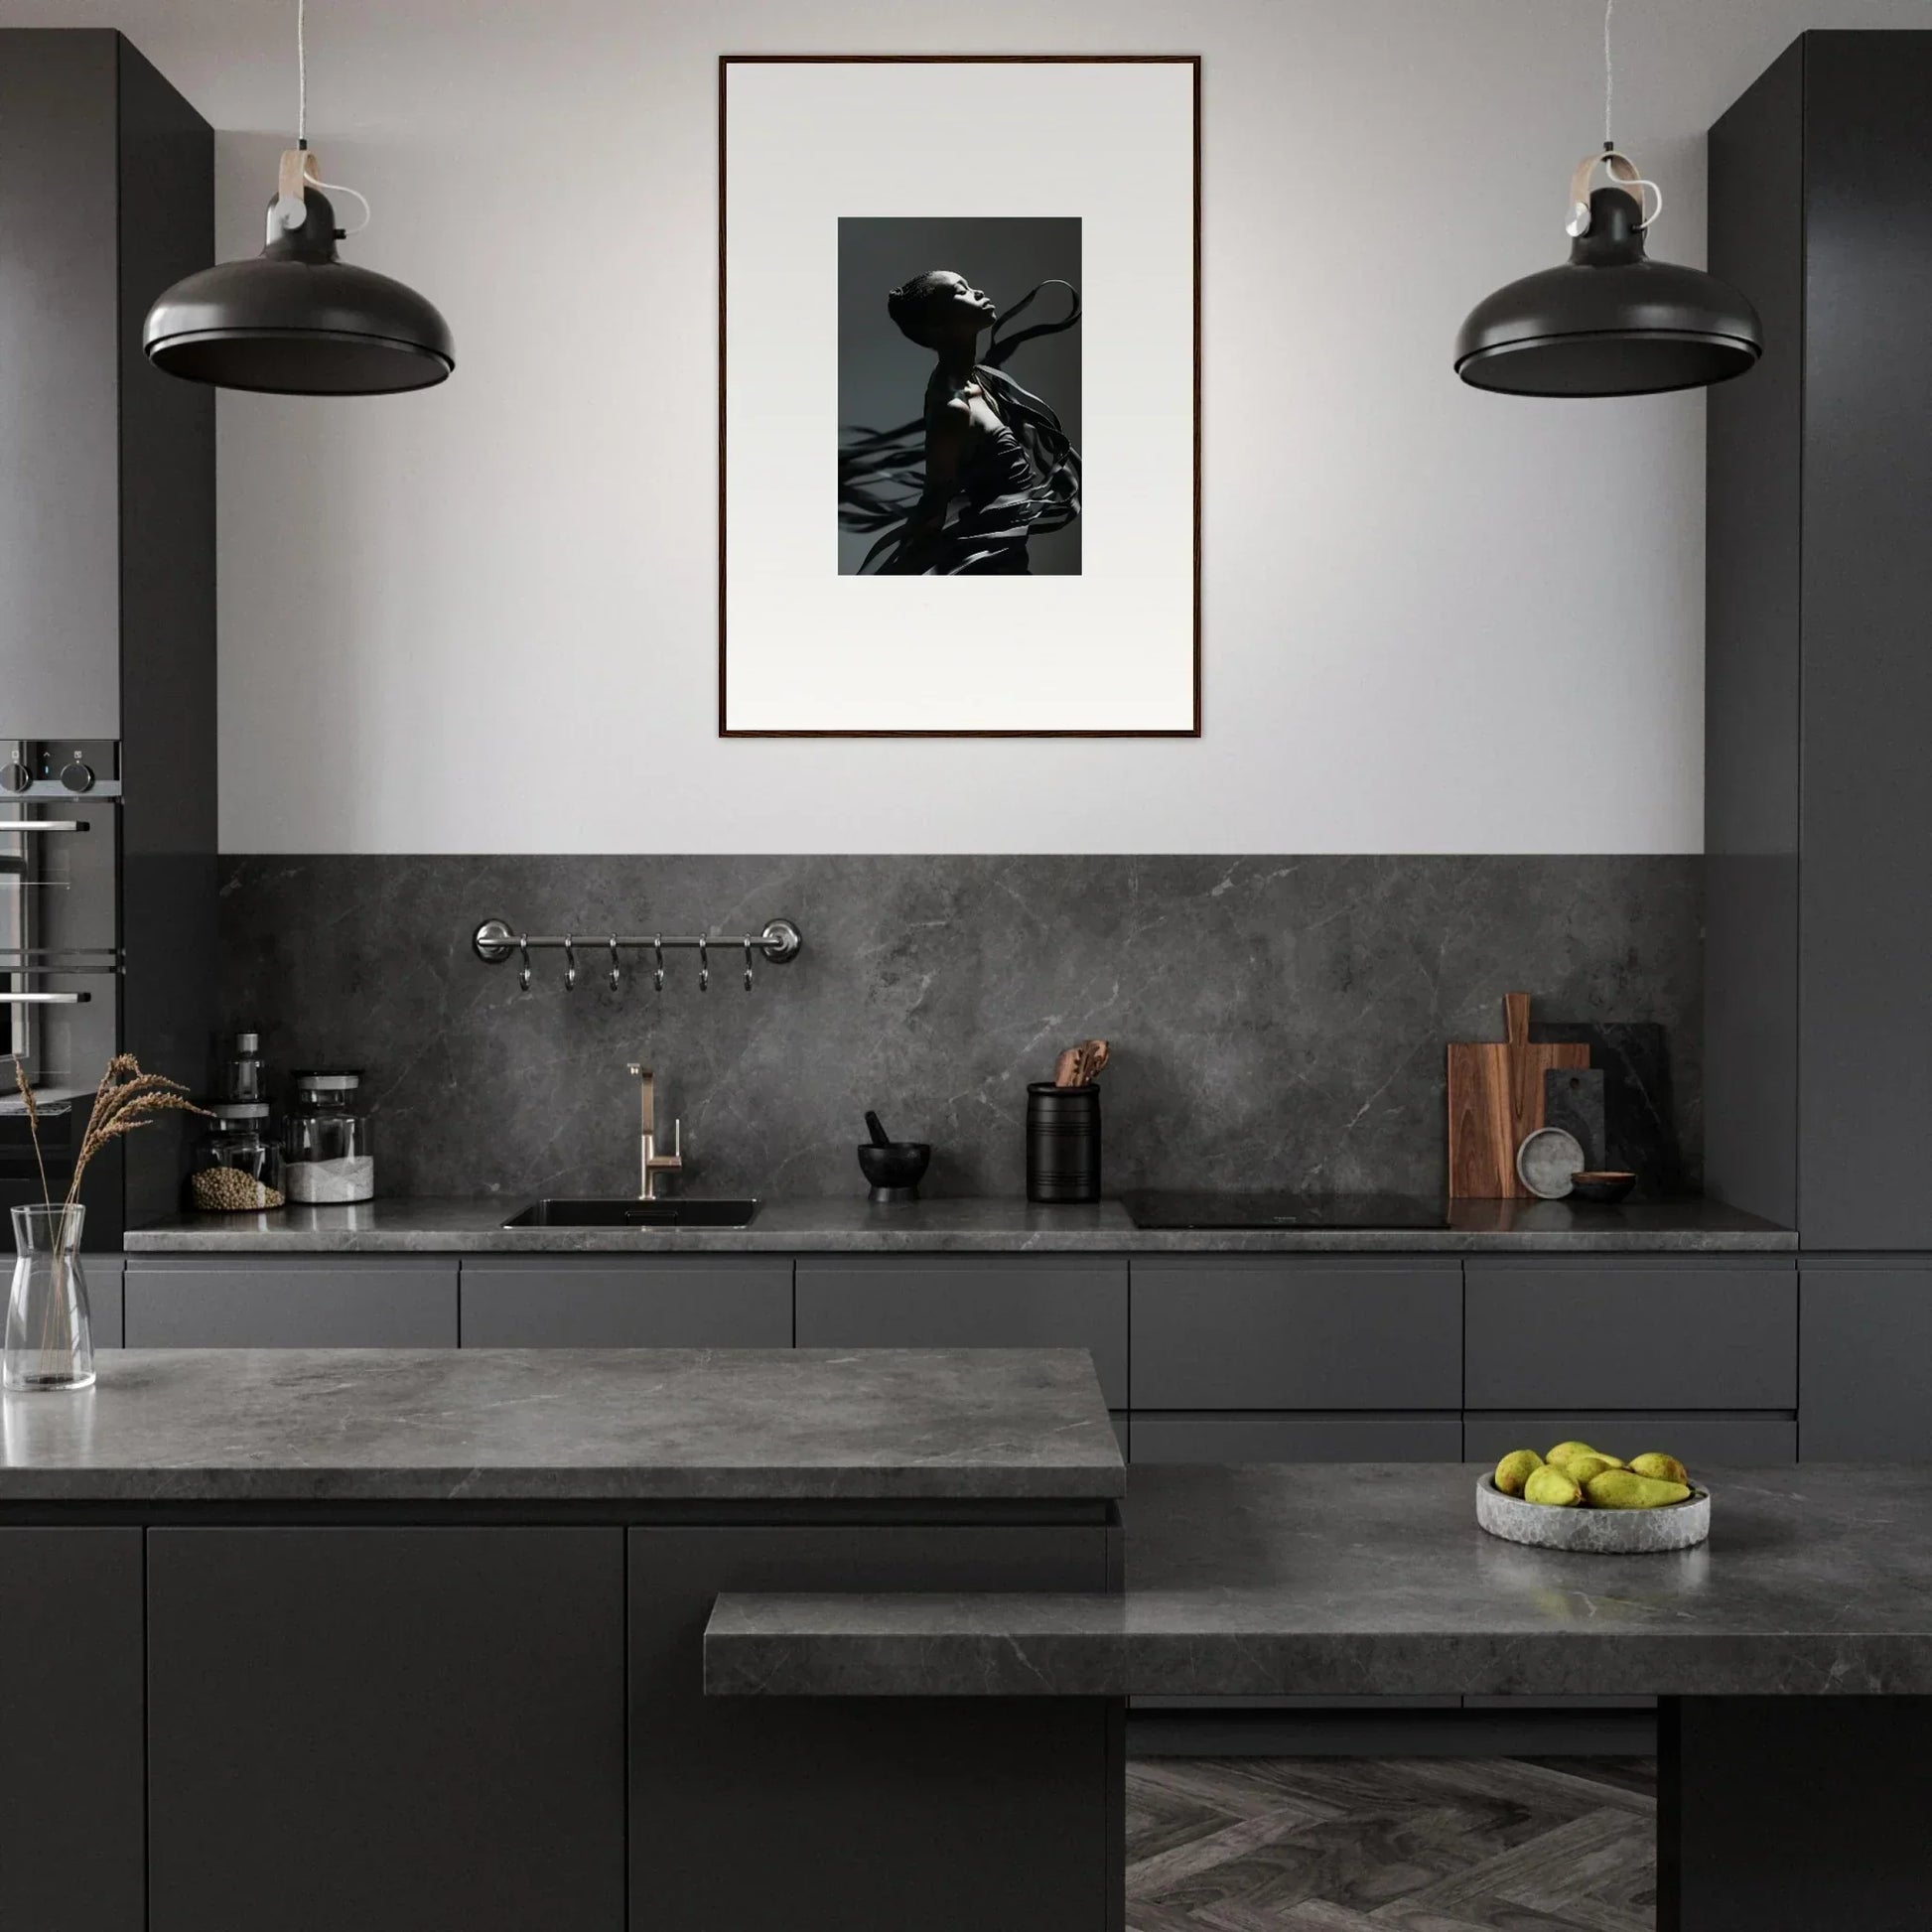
(960, 492)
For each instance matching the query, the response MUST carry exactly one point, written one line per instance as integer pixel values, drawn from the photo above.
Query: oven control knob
(15, 776)
(78, 777)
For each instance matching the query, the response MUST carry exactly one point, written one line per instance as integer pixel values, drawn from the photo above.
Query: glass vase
(50, 1336)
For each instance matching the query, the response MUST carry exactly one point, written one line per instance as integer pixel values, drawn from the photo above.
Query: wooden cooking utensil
(1495, 1099)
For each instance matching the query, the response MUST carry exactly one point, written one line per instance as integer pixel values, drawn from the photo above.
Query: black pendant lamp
(297, 319)
(1610, 321)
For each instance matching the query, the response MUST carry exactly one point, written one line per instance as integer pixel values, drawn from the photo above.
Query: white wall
(482, 619)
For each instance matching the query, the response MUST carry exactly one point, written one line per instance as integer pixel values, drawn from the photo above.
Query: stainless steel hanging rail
(496, 940)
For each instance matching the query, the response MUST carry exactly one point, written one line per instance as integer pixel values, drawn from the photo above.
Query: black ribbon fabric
(881, 474)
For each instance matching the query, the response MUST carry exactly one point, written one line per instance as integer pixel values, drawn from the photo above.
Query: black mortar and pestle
(894, 1167)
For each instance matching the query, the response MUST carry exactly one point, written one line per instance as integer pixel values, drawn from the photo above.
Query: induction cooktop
(1160, 1210)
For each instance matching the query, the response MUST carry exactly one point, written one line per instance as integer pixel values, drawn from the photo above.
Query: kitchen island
(1793, 1652)
(402, 1639)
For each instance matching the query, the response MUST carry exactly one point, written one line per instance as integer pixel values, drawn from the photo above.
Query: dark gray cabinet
(1226, 1437)
(107, 560)
(107, 194)
(291, 1301)
(618, 1302)
(104, 1274)
(409, 1729)
(1717, 1333)
(1818, 688)
(1702, 1439)
(1008, 1796)
(970, 1302)
(1866, 1394)
(72, 1802)
(1234, 1358)
(1269, 1332)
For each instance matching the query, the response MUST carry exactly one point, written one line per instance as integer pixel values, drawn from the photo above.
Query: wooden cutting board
(1495, 1099)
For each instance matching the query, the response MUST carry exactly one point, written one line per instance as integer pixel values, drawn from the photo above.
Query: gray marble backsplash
(1276, 1022)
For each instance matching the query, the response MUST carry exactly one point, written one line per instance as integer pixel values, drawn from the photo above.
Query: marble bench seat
(1373, 1579)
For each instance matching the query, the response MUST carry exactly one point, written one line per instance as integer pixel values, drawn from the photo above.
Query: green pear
(1515, 1469)
(1550, 1485)
(1624, 1489)
(1666, 1469)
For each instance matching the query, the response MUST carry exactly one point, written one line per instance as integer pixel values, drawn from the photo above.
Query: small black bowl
(1602, 1186)
(895, 1170)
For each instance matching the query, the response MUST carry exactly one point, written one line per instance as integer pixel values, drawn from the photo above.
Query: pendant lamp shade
(297, 319)
(1610, 321)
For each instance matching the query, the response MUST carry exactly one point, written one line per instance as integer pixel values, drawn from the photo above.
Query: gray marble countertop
(1373, 1579)
(173, 1426)
(960, 1226)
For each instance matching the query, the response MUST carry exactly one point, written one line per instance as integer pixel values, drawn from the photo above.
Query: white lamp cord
(1621, 170)
(290, 212)
(1610, 73)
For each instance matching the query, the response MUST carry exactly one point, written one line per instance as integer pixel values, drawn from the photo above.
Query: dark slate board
(1639, 1119)
(1572, 1099)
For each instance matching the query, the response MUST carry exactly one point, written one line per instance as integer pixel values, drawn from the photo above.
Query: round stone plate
(1599, 1532)
(1545, 1162)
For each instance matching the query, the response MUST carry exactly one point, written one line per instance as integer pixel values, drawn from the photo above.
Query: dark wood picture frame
(728, 61)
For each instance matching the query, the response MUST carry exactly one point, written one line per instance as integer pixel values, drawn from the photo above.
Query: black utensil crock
(1062, 1142)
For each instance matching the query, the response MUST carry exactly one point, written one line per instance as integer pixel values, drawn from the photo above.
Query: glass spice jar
(238, 1066)
(330, 1153)
(237, 1163)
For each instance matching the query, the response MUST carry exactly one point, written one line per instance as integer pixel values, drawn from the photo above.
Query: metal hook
(617, 965)
(658, 978)
(570, 963)
(523, 971)
(748, 965)
(704, 965)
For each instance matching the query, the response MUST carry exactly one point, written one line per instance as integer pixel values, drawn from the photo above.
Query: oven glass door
(59, 959)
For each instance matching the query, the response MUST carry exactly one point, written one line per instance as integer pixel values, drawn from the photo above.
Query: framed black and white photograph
(959, 396)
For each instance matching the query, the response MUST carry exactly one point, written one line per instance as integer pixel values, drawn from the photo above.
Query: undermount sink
(633, 1214)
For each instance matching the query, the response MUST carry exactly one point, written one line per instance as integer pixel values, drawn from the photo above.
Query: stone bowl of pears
(1581, 1498)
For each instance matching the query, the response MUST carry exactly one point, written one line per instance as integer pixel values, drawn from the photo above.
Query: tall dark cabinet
(1819, 674)
(1819, 715)
(107, 593)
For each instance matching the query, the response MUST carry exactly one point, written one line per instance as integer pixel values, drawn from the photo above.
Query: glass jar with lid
(237, 1163)
(238, 1068)
(330, 1154)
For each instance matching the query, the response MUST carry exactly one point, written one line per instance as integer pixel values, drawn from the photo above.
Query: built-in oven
(60, 943)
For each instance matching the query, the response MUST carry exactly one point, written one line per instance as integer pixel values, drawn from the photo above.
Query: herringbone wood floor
(1391, 1844)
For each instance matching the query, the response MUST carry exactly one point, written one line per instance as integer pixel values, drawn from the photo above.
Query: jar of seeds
(237, 1165)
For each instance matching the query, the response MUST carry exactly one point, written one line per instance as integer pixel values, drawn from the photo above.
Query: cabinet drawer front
(1233, 1332)
(1867, 1363)
(941, 1303)
(1733, 1441)
(392, 1729)
(72, 1785)
(243, 1305)
(1296, 1438)
(1631, 1335)
(721, 1302)
(104, 1273)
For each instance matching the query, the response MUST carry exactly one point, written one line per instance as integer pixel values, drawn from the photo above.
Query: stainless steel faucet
(651, 1163)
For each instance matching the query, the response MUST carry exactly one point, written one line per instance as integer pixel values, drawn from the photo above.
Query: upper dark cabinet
(1819, 675)
(106, 466)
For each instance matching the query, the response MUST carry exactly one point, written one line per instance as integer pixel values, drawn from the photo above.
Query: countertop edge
(1072, 1645)
(966, 1226)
